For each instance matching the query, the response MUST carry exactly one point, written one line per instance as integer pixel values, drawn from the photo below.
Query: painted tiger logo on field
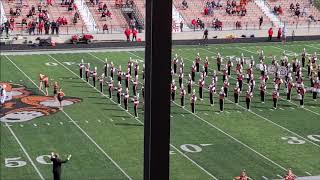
(20, 105)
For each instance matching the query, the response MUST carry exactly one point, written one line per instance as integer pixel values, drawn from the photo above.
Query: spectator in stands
(134, 34)
(29, 14)
(238, 25)
(11, 12)
(97, 2)
(33, 10)
(40, 27)
(105, 14)
(118, 3)
(132, 23)
(184, 4)
(311, 18)
(270, 33)
(292, 7)
(181, 26)
(279, 34)
(284, 34)
(23, 22)
(218, 4)
(47, 27)
(1, 29)
(243, 11)
(205, 36)
(206, 11)
(127, 33)
(12, 23)
(70, 8)
(194, 24)
(53, 26)
(304, 12)
(74, 19)
(39, 8)
(100, 7)
(260, 21)
(105, 28)
(49, 2)
(297, 12)
(7, 27)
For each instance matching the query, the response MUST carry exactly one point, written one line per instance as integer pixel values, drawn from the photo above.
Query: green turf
(237, 139)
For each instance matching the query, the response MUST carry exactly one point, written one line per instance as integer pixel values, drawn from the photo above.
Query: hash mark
(35, 125)
(260, 110)
(48, 124)
(308, 173)
(264, 178)
(87, 121)
(279, 176)
(291, 107)
(271, 110)
(21, 125)
(281, 109)
(217, 113)
(61, 123)
(111, 120)
(239, 111)
(182, 115)
(123, 119)
(171, 116)
(99, 120)
(227, 112)
(312, 107)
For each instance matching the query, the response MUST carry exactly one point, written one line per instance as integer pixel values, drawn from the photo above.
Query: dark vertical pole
(157, 89)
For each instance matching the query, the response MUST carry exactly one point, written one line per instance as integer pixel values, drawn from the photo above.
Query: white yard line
(279, 176)
(76, 125)
(308, 173)
(107, 98)
(268, 120)
(25, 152)
(264, 178)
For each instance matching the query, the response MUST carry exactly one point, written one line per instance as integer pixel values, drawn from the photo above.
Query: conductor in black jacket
(57, 165)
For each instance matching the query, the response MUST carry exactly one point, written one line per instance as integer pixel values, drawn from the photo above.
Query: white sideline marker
(308, 173)
(279, 176)
(35, 125)
(264, 177)
(205, 145)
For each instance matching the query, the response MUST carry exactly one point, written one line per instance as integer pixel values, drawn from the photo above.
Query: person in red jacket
(270, 33)
(40, 27)
(134, 34)
(279, 34)
(194, 23)
(127, 32)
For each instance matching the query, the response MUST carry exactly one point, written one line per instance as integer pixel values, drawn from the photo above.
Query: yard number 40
(17, 162)
(295, 140)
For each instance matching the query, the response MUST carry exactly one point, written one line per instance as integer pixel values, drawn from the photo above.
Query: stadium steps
(268, 12)
(86, 16)
(3, 17)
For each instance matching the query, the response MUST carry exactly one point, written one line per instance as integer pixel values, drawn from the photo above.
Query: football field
(106, 142)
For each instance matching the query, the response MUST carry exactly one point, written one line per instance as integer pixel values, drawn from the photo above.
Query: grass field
(106, 142)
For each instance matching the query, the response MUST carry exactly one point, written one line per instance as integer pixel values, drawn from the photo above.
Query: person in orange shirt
(44, 82)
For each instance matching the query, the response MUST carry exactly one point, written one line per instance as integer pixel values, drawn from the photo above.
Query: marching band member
(193, 100)
(249, 73)
(201, 85)
(263, 88)
(212, 90)
(181, 65)
(219, 61)
(301, 91)
(277, 82)
(106, 67)
(275, 96)
(236, 92)
(182, 94)
(252, 83)
(175, 62)
(136, 68)
(55, 90)
(294, 61)
(44, 83)
(128, 77)
(112, 69)
(126, 99)
(214, 77)
(242, 176)
(315, 88)
(240, 80)
(189, 84)
(303, 56)
(135, 105)
(193, 72)
(289, 175)
(290, 85)
(206, 65)
(101, 78)
(224, 73)
(180, 78)
(173, 90)
(81, 67)
(129, 65)
(119, 92)
(221, 99)
(119, 74)
(225, 87)
(135, 83)
(242, 59)
(87, 72)
(110, 88)
(197, 62)
(94, 76)
(261, 55)
(229, 66)
(143, 71)
(249, 95)
(60, 97)
(238, 67)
